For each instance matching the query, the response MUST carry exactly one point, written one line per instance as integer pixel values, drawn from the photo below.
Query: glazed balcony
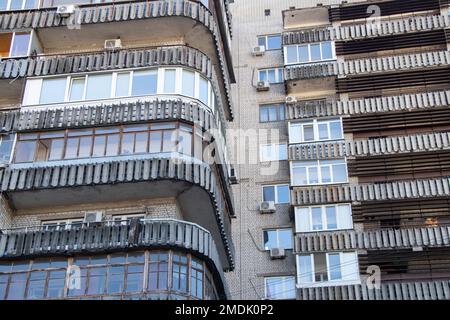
(410, 290)
(190, 22)
(110, 236)
(382, 239)
(125, 178)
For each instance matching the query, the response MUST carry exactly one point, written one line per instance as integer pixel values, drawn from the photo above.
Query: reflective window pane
(270, 239)
(315, 52)
(308, 132)
(326, 174)
(169, 80)
(303, 54)
(122, 84)
(77, 89)
(20, 44)
(340, 173)
(323, 131)
(299, 176)
(331, 217)
(313, 175)
(53, 90)
(316, 215)
(283, 194)
(203, 95)
(56, 149)
(336, 130)
(285, 238)
(305, 269)
(269, 193)
(188, 83)
(327, 51)
(334, 266)
(98, 86)
(274, 42)
(25, 151)
(144, 82)
(291, 54)
(112, 147)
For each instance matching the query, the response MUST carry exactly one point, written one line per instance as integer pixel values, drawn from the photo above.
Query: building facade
(115, 173)
(358, 206)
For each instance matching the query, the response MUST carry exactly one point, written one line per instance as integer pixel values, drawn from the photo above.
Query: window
(107, 141)
(326, 268)
(273, 75)
(109, 85)
(117, 275)
(18, 4)
(6, 144)
(273, 152)
(65, 224)
(271, 42)
(323, 218)
(15, 44)
(272, 112)
(267, 12)
(277, 238)
(277, 193)
(125, 219)
(318, 172)
(308, 53)
(315, 130)
(277, 288)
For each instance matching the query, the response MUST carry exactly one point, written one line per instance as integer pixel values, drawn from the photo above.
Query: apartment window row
(280, 288)
(109, 141)
(315, 130)
(327, 268)
(96, 86)
(6, 145)
(316, 172)
(323, 218)
(270, 42)
(115, 275)
(278, 238)
(278, 193)
(273, 152)
(15, 44)
(271, 75)
(272, 112)
(308, 53)
(67, 224)
(34, 4)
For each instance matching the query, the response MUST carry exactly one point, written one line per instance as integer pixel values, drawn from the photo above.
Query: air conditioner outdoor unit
(277, 253)
(267, 207)
(94, 216)
(263, 86)
(66, 10)
(291, 100)
(113, 44)
(259, 50)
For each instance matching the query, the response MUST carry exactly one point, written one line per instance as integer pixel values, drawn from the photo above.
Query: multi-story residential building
(111, 114)
(359, 91)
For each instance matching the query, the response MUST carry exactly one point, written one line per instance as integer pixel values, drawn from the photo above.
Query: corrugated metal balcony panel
(107, 60)
(380, 146)
(46, 18)
(106, 173)
(423, 290)
(111, 113)
(423, 100)
(405, 238)
(366, 192)
(308, 71)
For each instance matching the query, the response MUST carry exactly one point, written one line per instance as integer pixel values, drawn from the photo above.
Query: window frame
(329, 281)
(319, 172)
(8, 5)
(279, 106)
(308, 45)
(61, 224)
(284, 287)
(278, 71)
(266, 41)
(276, 186)
(315, 123)
(323, 207)
(30, 34)
(33, 99)
(277, 231)
(263, 145)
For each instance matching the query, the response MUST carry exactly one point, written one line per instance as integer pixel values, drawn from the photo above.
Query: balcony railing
(403, 238)
(387, 191)
(418, 290)
(381, 146)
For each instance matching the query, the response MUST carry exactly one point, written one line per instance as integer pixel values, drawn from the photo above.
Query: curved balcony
(388, 191)
(111, 179)
(106, 237)
(418, 290)
(404, 238)
(190, 23)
